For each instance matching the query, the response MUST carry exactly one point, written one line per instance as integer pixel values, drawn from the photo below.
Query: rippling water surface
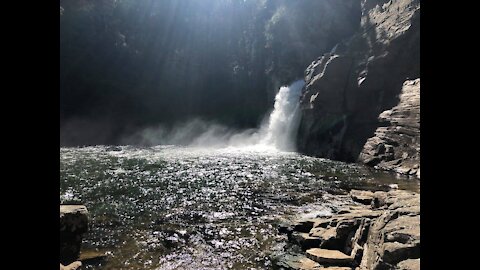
(169, 207)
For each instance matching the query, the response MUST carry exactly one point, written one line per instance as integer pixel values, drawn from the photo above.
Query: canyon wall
(361, 101)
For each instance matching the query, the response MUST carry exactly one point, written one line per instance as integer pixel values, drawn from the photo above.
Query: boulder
(73, 224)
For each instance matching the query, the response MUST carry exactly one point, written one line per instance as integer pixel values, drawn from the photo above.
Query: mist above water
(277, 131)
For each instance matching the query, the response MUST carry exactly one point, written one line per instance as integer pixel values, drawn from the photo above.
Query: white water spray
(278, 133)
(284, 119)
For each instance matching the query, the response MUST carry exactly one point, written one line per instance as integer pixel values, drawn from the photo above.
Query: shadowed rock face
(397, 146)
(361, 79)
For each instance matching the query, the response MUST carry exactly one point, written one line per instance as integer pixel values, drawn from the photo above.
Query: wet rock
(92, 256)
(362, 196)
(298, 262)
(73, 224)
(73, 266)
(329, 256)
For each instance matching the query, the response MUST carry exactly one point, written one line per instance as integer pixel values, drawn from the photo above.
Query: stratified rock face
(397, 146)
(380, 231)
(348, 89)
(73, 223)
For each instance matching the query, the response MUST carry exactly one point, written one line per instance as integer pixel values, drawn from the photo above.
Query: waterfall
(284, 119)
(278, 132)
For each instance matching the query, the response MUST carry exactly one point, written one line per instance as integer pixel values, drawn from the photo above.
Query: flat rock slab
(66, 209)
(72, 266)
(298, 262)
(411, 264)
(92, 256)
(336, 257)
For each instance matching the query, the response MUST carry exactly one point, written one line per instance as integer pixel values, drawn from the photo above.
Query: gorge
(365, 50)
(241, 134)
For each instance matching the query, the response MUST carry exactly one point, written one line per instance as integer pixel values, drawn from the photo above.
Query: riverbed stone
(335, 257)
(382, 235)
(73, 224)
(362, 196)
(73, 266)
(298, 262)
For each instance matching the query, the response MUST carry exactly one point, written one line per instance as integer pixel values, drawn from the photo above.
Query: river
(173, 207)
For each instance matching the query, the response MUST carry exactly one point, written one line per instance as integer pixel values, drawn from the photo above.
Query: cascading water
(284, 119)
(278, 133)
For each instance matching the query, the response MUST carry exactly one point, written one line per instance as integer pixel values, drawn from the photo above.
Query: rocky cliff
(397, 145)
(361, 100)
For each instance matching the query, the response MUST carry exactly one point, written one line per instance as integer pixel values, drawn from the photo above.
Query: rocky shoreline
(376, 230)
